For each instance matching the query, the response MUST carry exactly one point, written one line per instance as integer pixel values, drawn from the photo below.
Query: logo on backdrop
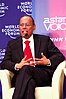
(25, 7)
(3, 9)
(2, 53)
(55, 23)
(11, 30)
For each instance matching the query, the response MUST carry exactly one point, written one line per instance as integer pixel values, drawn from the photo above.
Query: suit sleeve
(55, 55)
(7, 62)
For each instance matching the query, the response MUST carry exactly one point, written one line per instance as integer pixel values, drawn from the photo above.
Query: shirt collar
(30, 39)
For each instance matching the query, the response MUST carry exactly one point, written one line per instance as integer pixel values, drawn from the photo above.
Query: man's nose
(24, 26)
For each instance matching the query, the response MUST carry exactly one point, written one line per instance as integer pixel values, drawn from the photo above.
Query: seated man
(32, 58)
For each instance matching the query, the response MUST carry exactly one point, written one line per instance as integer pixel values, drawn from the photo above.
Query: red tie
(27, 50)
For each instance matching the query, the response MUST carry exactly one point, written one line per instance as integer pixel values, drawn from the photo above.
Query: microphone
(26, 34)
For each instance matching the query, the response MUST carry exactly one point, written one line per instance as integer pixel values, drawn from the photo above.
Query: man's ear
(34, 27)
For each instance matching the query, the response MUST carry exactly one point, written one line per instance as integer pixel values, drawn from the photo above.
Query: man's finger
(29, 59)
(43, 55)
(24, 57)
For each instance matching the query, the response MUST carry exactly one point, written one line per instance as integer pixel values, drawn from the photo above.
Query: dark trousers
(27, 79)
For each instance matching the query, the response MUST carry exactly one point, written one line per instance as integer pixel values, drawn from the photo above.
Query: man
(33, 71)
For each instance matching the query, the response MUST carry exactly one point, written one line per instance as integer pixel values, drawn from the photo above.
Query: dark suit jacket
(14, 52)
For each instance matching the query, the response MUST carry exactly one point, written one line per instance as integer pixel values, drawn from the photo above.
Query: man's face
(26, 26)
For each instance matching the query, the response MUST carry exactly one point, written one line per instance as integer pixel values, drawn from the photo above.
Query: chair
(48, 92)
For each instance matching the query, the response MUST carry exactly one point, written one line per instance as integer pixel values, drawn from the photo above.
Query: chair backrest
(57, 81)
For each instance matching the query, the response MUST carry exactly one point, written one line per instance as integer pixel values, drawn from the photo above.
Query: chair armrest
(57, 81)
(5, 78)
(65, 71)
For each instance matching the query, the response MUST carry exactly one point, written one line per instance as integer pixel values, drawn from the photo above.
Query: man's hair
(30, 17)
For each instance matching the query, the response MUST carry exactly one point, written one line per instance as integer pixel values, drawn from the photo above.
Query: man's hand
(25, 62)
(41, 61)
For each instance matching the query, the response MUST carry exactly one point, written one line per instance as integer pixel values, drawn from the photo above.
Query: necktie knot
(27, 42)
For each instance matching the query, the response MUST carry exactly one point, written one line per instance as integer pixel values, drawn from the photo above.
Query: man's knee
(26, 69)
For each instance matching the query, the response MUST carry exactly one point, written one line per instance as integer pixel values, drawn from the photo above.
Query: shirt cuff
(15, 67)
(49, 63)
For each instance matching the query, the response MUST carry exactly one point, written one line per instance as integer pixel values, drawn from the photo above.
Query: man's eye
(28, 25)
(21, 24)
(25, 25)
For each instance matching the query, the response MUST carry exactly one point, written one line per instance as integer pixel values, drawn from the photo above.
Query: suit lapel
(36, 45)
(20, 48)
